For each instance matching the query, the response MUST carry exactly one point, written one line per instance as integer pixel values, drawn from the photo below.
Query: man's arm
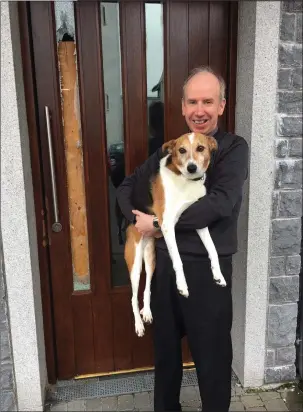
(125, 190)
(229, 175)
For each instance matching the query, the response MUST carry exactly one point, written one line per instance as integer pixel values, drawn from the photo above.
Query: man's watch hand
(156, 222)
(145, 223)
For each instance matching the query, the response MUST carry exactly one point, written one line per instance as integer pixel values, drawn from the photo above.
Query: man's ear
(212, 143)
(168, 146)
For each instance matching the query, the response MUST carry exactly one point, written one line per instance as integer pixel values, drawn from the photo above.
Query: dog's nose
(191, 168)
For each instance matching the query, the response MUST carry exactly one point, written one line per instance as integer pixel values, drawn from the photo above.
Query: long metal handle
(56, 226)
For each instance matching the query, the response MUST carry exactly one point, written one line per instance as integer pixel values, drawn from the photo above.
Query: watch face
(156, 223)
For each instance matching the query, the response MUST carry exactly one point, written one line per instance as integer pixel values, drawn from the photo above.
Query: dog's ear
(212, 143)
(168, 146)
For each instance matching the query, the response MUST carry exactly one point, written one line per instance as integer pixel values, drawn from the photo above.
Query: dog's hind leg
(213, 255)
(135, 280)
(149, 261)
(133, 253)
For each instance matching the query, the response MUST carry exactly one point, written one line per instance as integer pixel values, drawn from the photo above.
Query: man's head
(203, 100)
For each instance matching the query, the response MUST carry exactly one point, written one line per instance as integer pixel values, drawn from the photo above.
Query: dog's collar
(202, 178)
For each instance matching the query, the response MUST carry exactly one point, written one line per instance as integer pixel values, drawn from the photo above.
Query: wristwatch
(156, 222)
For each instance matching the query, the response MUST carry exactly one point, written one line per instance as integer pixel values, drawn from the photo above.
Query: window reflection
(155, 78)
(111, 55)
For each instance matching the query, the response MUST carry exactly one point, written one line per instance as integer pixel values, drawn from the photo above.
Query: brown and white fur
(178, 184)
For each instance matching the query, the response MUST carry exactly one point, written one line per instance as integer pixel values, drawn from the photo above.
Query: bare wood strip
(74, 160)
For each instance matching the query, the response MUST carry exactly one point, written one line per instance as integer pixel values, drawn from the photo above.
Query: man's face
(201, 103)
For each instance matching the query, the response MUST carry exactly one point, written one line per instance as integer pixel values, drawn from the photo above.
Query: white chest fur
(179, 192)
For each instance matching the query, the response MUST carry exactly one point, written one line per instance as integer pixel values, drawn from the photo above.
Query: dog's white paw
(182, 285)
(146, 314)
(218, 277)
(139, 327)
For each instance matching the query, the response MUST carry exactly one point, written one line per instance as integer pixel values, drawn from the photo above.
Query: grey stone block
(286, 237)
(299, 28)
(275, 204)
(277, 266)
(284, 289)
(142, 401)
(8, 401)
(3, 317)
(289, 126)
(190, 395)
(288, 373)
(292, 6)
(270, 357)
(288, 174)
(286, 356)
(93, 405)
(285, 78)
(297, 78)
(277, 405)
(295, 147)
(125, 403)
(251, 401)
(110, 403)
(287, 27)
(290, 204)
(236, 406)
(280, 374)
(281, 148)
(293, 265)
(290, 102)
(290, 55)
(282, 322)
(76, 405)
(6, 376)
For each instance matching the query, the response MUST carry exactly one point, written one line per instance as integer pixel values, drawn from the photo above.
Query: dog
(177, 185)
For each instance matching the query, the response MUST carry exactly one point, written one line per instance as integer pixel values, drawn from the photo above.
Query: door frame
(36, 164)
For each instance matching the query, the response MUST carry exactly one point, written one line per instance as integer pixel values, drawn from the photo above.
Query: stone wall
(285, 260)
(7, 381)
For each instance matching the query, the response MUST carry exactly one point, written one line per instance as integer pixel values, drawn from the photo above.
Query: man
(206, 315)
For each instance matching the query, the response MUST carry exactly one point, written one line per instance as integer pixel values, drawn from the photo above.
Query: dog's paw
(139, 327)
(146, 315)
(218, 277)
(182, 287)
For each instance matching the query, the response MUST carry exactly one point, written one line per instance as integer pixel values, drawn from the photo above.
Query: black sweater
(218, 210)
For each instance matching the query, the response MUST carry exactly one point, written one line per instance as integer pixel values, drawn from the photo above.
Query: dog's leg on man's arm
(213, 255)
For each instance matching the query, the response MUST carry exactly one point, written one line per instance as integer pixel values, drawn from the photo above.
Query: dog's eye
(182, 150)
(200, 148)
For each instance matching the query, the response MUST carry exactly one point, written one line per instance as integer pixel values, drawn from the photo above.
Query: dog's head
(190, 154)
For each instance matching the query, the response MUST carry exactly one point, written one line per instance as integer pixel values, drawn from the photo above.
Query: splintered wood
(74, 160)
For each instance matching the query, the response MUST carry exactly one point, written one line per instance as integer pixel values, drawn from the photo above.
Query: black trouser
(206, 318)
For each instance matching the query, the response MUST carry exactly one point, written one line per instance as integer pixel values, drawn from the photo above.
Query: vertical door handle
(56, 226)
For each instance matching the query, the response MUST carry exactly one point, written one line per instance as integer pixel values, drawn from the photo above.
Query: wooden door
(98, 102)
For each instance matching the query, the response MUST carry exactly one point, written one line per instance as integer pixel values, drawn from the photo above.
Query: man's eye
(200, 148)
(182, 150)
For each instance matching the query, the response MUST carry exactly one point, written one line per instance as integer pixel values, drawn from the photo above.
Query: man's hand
(144, 224)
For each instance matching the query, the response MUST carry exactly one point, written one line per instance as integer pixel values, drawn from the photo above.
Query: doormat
(65, 391)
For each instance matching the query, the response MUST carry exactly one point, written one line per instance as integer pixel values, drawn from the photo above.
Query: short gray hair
(206, 69)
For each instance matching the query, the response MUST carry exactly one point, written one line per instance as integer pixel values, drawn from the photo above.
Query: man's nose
(200, 109)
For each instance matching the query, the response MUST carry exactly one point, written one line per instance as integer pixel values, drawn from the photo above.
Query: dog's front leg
(149, 261)
(168, 231)
(213, 255)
